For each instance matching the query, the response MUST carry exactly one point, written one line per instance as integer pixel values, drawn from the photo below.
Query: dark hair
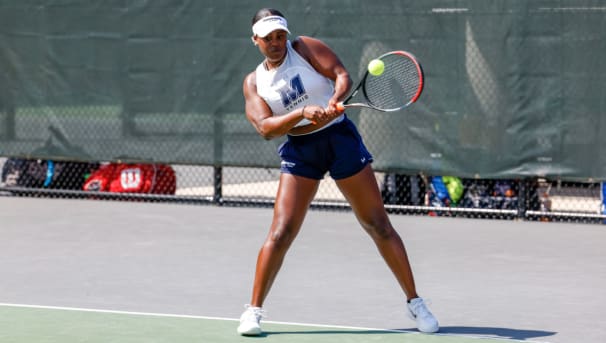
(266, 12)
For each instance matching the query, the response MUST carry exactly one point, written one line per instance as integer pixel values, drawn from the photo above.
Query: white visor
(267, 25)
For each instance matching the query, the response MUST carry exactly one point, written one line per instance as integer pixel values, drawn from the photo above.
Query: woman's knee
(282, 235)
(379, 228)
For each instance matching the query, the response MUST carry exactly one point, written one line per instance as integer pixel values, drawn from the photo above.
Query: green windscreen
(513, 88)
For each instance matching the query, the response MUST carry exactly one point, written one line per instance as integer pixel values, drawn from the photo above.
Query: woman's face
(273, 46)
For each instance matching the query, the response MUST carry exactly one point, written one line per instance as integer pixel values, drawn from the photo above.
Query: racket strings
(397, 86)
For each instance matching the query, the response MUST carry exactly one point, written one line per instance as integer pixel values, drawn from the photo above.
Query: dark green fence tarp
(513, 88)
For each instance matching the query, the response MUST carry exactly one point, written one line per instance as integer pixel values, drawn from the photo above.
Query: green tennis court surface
(53, 325)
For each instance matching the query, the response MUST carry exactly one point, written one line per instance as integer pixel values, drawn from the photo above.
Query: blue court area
(109, 271)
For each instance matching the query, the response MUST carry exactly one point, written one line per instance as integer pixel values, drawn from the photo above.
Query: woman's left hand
(332, 110)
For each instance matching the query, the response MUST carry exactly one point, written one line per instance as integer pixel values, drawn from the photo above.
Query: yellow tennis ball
(376, 67)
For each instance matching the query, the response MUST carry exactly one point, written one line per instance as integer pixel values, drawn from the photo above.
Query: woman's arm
(324, 60)
(262, 118)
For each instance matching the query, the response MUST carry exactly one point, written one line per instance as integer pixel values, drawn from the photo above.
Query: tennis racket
(399, 85)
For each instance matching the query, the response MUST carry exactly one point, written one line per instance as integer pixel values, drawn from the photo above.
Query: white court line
(573, 9)
(79, 309)
(171, 315)
(449, 10)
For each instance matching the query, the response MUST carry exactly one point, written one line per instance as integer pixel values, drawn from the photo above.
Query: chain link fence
(529, 199)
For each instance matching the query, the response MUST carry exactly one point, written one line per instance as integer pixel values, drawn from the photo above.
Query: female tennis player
(294, 92)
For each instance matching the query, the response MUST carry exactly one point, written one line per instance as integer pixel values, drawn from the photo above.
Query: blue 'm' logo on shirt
(292, 92)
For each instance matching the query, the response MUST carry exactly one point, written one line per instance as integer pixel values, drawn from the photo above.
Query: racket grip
(340, 107)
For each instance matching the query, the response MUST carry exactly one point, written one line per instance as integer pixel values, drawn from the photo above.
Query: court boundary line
(187, 316)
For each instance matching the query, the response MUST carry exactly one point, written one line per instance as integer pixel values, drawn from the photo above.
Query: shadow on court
(452, 331)
(495, 332)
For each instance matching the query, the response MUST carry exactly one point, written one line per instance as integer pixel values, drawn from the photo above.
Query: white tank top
(294, 84)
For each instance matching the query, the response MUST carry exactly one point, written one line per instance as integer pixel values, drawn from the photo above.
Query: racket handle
(340, 107)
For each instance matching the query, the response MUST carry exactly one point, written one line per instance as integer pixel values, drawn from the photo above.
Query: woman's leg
(362, 192)
(295, 193)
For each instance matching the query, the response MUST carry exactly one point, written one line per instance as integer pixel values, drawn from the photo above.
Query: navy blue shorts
(338, 149)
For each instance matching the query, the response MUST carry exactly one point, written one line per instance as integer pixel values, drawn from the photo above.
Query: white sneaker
(426, 322)
(250, 321)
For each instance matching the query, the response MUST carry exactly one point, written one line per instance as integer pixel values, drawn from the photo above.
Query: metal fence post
(522, 197)
(218, 185)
